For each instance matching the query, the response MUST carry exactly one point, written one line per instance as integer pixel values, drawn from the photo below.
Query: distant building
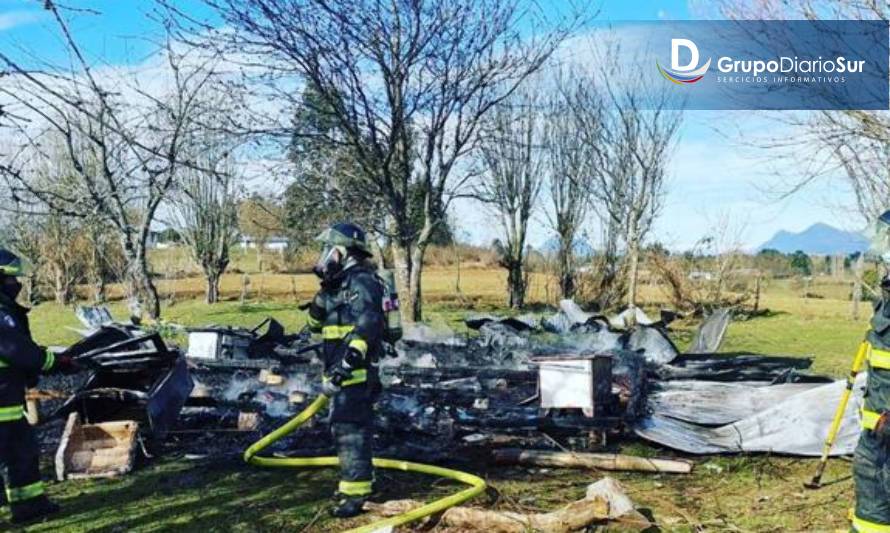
(162, 240)
(272, 244)
(701, 275)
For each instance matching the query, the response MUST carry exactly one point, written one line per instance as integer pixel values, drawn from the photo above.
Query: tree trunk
(757, 293)
(516, 284)
(415, 297)
(99, 289)
(97, 272)
(142, 281)
(633, 252)
(401, 258)
(565, 268)
(245, 288)
(212, 292)
(63, 291)
(31, 285)
(857, 284)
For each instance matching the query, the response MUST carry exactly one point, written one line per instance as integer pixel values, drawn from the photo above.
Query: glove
(339, 374)
(329, 389)
(66, 364)
(336, 377)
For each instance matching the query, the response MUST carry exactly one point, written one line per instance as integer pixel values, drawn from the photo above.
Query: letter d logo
(675, 54)
(684, 74)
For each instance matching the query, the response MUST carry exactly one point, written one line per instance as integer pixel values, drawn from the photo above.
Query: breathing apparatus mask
(330, 262)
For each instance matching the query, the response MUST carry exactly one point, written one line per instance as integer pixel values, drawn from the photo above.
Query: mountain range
(818, 239)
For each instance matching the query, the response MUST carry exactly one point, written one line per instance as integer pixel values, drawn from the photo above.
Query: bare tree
(261, 219)
(866, 162)
(607, 277)
(64, 256)
(511, 152)
(711, 275)
(105, 260)
(850, 144)
(569, 171)
(124, 144)
(631, 129)
(206, 215)
(408, 84)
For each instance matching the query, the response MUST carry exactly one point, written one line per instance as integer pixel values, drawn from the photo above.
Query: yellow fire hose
(477, 484)
(858, 361)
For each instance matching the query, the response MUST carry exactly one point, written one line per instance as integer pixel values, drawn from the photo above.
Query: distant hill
(819, 239)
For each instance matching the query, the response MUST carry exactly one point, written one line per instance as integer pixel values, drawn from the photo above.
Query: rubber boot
(33, 510)
(349, 506)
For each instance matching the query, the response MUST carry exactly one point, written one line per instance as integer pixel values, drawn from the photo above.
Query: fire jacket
(21, 359)
(877, 391)
(348, 312)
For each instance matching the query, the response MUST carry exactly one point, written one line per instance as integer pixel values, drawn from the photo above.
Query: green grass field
(732, 493)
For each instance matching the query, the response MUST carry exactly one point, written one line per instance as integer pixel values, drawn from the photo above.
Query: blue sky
(711, 177)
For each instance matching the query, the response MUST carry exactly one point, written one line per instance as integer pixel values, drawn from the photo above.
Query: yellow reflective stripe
(879, 359)
(865, 526)
(49, 362)
(313, 323)
(336, 332)
(869, 418)
(358, 376)
(9, 414)
(359, 345)
(354, 488)
(3, 364)
(27, 492)
(11, 270)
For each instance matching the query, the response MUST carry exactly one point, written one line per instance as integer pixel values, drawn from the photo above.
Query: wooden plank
(96, 450)
(573, 517)
(594, 461)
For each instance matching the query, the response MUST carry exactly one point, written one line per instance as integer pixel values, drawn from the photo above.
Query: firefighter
(871, 462)
(21, 362)
(348, 312)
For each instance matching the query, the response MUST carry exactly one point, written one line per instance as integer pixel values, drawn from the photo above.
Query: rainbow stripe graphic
(683, 77)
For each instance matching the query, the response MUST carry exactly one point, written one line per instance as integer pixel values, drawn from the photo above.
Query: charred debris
(563, 385)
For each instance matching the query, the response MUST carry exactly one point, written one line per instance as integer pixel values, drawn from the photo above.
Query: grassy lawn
(733, 493)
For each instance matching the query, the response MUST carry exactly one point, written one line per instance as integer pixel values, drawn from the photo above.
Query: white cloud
(14, 19)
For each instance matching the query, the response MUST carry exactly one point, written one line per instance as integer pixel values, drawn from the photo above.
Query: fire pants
(20, 459)
(354, 444)
(871, 473)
